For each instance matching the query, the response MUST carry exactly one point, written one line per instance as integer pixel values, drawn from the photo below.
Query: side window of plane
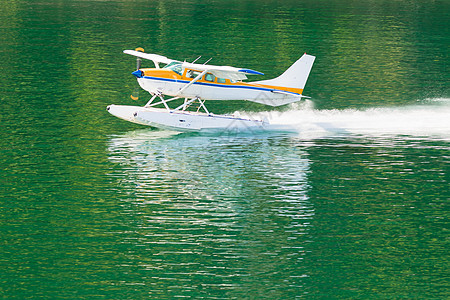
(209, 77)
(220, 80)
(192, 74)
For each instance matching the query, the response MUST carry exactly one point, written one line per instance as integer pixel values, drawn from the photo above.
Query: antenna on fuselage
(196, 59)
(207, 61)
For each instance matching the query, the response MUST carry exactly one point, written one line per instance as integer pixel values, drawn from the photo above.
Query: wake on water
(429, 118)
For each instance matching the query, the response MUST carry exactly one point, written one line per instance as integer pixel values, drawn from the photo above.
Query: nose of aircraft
(138, 73)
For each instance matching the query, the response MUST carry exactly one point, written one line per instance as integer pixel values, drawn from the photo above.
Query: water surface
(348, 200)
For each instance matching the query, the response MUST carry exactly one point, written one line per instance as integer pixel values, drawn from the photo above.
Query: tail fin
(295, 76)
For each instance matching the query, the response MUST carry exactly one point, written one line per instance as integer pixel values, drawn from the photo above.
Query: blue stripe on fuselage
(218, 85)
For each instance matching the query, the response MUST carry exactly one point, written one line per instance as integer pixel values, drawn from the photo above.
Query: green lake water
(351, 203)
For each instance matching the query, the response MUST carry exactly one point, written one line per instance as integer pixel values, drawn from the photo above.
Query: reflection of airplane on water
(156, 163)
(198, 82)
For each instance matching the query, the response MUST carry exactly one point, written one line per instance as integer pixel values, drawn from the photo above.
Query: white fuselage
(215, 91)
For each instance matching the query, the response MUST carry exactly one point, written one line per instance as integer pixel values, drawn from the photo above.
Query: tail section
(295, 76)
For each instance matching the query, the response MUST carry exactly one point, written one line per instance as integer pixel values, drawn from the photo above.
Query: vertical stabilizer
(295, 76)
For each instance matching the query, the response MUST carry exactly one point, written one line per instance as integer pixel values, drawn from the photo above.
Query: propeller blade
(138, 63)
(135, 94)
(139, 60)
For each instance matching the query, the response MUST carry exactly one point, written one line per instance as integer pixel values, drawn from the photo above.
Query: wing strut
(191, 82)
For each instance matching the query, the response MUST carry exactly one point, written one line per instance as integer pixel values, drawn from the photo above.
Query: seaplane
(191, 84)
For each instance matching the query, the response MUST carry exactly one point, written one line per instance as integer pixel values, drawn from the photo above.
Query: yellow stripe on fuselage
(162, 73)
(169, 74)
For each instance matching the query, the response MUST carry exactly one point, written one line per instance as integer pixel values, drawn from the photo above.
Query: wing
(153, 57)
(225, 72)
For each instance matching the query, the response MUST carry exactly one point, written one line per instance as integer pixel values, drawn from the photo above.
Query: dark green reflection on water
(207, 221)
(94, 207)
(384, 213)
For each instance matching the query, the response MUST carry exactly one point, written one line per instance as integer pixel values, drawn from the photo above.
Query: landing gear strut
(182, 107)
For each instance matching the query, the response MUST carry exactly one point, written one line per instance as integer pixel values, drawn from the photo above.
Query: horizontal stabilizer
(276, 102)
(249, 71)
(288, 93)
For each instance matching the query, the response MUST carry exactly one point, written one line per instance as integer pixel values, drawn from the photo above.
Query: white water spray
(430, 118)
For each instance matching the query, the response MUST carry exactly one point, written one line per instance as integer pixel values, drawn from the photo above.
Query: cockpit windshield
(175, 66)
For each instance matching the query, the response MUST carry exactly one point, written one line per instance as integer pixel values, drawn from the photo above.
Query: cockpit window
(174, 66)
(209, 77)
(192, 74)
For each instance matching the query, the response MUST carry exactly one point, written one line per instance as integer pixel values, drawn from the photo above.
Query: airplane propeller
(135, 94)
